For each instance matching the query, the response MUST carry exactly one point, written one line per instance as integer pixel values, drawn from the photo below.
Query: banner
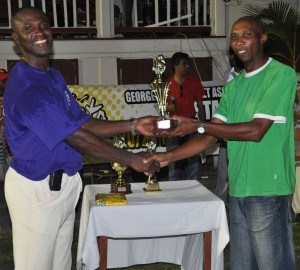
(213, 93)
(121, 102)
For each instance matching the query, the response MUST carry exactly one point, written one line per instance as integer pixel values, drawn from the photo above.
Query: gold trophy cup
(152, 183)
(160, 89)
(120, 185)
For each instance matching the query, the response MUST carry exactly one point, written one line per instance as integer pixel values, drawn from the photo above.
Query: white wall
(98, 58)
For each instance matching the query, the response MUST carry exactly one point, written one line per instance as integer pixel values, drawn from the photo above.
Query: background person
(5, 154)
(221, 189)
(47, 131)
(255, 116)
(184, 91)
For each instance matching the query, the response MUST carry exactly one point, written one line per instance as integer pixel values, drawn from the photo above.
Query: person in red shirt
(5, 154)
(185, 91)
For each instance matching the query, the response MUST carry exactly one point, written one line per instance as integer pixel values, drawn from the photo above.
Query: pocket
(42, 190)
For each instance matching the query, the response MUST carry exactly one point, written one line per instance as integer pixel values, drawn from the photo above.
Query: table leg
(102, 247)
(207, 250)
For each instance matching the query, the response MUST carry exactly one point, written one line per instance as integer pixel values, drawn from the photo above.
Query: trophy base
(152, 187)
(121, 189)
(166, 125)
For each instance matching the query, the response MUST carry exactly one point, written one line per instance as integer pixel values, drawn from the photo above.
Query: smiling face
(246, 40)
(32, 32)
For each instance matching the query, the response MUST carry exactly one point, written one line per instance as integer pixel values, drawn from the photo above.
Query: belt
(55, 180)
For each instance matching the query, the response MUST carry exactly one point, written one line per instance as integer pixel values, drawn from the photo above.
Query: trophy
(160, 89)
(120, 185)
(152, 183)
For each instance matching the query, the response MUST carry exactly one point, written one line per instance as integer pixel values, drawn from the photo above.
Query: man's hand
(162, 158)
(185, 126)
(148, 168)
(146, 125)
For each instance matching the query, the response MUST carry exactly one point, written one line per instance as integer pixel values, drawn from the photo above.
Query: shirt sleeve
(280, 87)
(221, 110)
(51, 117)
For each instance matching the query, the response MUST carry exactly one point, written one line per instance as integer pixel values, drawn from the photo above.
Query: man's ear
(263, 38)
(15, 37)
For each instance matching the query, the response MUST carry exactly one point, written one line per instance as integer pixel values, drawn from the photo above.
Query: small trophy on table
(152, 183)
(160, 89)
(120, 185)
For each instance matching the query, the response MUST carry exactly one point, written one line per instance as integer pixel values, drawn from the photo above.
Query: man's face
(247, 41)
(183, 67)
(33, 34)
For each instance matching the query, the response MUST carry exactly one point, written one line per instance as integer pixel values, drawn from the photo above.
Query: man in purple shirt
(47, 132)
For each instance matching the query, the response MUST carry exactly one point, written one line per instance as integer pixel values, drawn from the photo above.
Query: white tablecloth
(153, 227)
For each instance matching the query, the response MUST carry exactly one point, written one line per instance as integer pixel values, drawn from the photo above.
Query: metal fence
(62, 13)
(75, 14)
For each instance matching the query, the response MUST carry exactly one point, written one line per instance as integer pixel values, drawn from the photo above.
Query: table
(153, 227)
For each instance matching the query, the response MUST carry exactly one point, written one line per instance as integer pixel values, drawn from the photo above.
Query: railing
(103, 17)
(62, 13)
(170, 12)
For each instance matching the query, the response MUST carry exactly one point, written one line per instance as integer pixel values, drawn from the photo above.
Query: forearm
(87, 143)
(103, 128)
(248, 131)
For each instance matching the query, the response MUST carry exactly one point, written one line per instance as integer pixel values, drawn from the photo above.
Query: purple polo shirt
(40, 112)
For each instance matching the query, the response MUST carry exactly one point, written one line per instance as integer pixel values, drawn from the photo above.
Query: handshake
(150, 163)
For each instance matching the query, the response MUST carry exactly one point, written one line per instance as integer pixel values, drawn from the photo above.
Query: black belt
(55, 180)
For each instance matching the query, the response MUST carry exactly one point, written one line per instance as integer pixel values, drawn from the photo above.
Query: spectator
(5, 154)
(185, 91)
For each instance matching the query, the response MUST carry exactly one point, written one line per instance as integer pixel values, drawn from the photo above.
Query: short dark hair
(176, 58)
(15, 16)
(254, 20)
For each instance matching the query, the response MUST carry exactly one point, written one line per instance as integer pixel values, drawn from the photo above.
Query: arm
(247, 131)
(250, 131)
(194, 146)
(103, 128)
(89, 144)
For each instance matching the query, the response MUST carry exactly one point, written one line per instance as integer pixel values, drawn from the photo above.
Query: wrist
(201, 128)
(196, 124)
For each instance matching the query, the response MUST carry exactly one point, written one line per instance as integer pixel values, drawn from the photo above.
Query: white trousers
(296, 195)
(42, 221)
